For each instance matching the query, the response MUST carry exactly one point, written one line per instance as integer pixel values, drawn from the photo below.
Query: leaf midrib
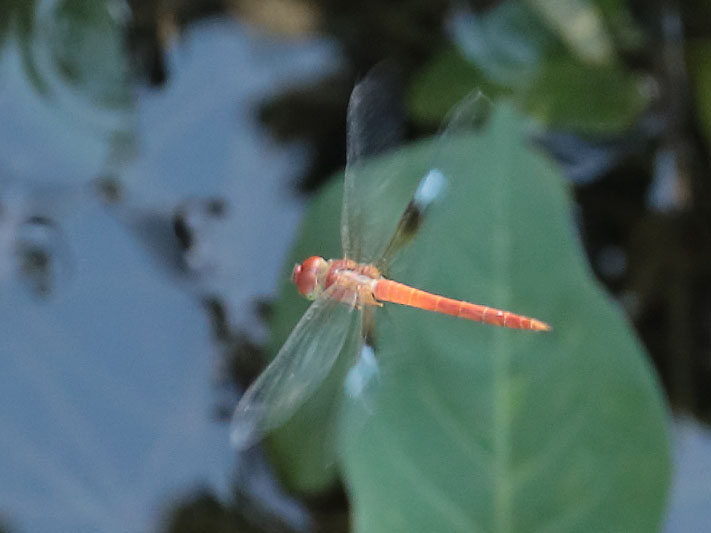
(501, 349)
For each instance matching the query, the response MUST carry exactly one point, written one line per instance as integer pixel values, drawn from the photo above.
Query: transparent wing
(469, 115)
(383, 204)
(297, 370)
(375, 125)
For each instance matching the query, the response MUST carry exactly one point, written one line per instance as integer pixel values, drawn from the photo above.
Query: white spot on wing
(429, 188)
(362, 373)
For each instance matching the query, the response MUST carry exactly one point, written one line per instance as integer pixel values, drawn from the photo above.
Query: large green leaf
(476, 428)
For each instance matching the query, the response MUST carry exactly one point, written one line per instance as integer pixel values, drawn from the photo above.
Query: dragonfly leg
(365, 296)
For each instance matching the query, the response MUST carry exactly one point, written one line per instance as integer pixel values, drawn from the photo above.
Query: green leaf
(622, 26)
(476, 428)
(588, 99)
(580, 25)
(507, 43)
(563, 94)
(566, 78)
(444, 81)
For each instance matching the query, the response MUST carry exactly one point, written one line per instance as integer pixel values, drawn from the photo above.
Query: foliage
(549, 59)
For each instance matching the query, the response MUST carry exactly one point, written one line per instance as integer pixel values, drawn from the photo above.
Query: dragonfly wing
(298, 369)
(383, 204)
(466, 117)
(375, 125)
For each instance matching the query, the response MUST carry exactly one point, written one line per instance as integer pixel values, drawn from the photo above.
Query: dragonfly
(356, 282)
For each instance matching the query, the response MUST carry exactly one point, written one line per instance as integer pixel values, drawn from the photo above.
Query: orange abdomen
(391, 291)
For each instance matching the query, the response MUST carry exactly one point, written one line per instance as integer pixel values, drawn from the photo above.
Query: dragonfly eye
(306, 276)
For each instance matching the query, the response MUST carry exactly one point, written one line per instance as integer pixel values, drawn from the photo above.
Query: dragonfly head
(309, 276)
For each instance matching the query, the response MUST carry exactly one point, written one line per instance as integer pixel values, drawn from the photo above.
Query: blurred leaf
(478, 428)
(513, 50)
(6, 7)
(83, 40)
(580, 25)
(699, 58)
(623, 29)
(447, 79)
(507, 42)
(18, 17)
(564, 93)
(87, 44)
(567, 94)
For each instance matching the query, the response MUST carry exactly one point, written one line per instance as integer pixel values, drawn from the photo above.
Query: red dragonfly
(338, 286)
